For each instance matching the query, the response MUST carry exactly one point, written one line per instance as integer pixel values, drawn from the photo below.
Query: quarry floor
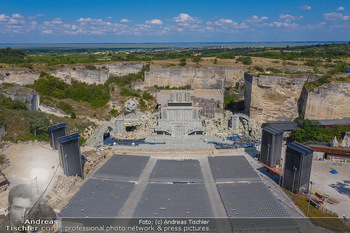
(30, 160)
(336, 186)
(27, 161)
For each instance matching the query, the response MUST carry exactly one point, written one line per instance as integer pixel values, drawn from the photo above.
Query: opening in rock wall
(130, 128)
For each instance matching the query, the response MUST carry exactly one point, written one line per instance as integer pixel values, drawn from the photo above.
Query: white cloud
(109, 17)
(184, 18)
(3, 18)
(46, 31)
(84, 21)
(16, 21)
(56, 21)
(17, 16)
(279, 24)
(288, 18)
(256, 19)
(335, 16)
(340, 8)
(154, 22)
(221, 22)
(33, 24)
(125, 21)
(305, 7)
(36, 16)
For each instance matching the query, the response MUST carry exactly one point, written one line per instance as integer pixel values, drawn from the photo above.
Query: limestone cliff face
(29, 96)
(273, 98)
(205, 77)
(329, 101)
(79, 73)
(22, 77)
(119, 69)
(82, 75)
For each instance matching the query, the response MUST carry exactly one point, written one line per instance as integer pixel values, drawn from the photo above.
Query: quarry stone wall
(80, 73)
(329, 101)
(29, 96)
(22, 77)
(273, 98)
(204, 77)
(119, 69)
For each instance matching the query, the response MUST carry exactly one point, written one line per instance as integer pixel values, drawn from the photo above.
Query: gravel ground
(336, 186)
(27, 161)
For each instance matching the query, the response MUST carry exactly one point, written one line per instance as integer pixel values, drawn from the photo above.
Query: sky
(139, 21)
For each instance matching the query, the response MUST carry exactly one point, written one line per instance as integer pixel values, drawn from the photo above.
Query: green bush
(196, 59)
(313, 132)
(319, 82)
(66, 107)
(114, 112)
(38, 123)
(274, 70)
(229, 99)
(11, 56)
(147, 96)
(72, 115)
(259, 68)
(183, 61)
(90, 67)
(226, 55)
(9, 103)
(341, 67)
(245, 60)
(143, 105)
(127, 92)
(96, 94)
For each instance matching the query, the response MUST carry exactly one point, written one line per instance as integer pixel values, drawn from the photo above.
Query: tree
(196, 59)
(72, 115)
(245, 60)
(183, 61)
(38, 123)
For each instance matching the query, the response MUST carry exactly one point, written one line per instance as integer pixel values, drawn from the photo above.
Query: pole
(308, 207)
(294, 170)
(279, 182)
(268, 155)
(345, 220)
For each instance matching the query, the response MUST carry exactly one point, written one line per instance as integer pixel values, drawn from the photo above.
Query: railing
(328, 211)
(315, 220)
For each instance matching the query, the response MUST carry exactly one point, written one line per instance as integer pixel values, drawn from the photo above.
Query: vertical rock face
(82, 75)
(329, 101)
(22, 77)
(205, 77)
(272, 98)
(119, 69)
(29, 96)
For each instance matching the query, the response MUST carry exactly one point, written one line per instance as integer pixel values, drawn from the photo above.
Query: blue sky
(114, 21)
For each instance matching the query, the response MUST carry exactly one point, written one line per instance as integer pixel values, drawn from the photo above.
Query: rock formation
(329, 101)
(204, 77)
(273, 98)
(29, 96)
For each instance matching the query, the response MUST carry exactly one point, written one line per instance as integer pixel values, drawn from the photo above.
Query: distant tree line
(11, 56)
